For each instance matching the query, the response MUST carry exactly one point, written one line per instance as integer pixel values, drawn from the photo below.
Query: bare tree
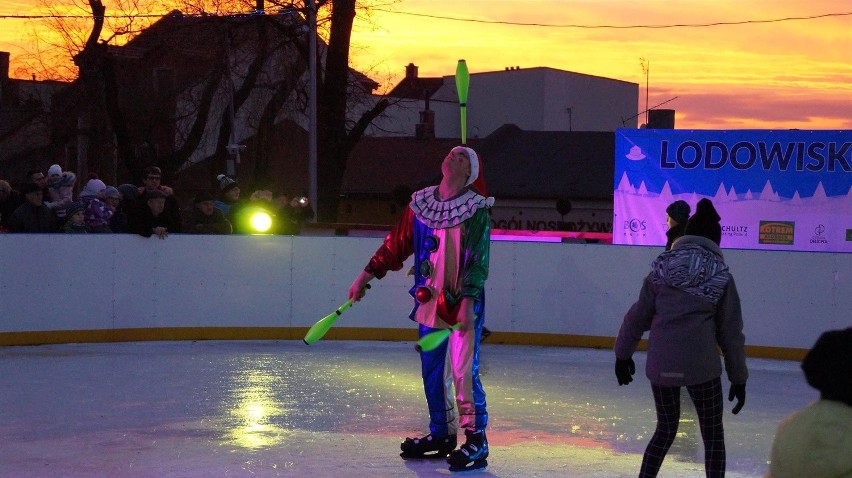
(241, 54)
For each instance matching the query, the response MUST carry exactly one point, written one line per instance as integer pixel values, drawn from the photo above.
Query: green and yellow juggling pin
(432, 340)
(462, 83)
(319, 329)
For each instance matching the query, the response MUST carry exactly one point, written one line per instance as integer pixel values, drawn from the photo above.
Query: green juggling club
(462, 83)
(319, 329)
(432, 340)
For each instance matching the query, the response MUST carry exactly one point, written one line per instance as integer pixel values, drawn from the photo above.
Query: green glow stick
(462, 83)
(319, 329)
(432, 340)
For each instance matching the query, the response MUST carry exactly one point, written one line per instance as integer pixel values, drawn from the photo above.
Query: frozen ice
(341, 408)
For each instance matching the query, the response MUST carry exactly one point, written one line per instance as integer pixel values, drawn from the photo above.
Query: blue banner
(778, 190)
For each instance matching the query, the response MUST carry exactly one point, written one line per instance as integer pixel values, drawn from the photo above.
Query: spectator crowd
(60, 203)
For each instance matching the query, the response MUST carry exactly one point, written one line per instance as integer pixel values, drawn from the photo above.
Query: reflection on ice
(256, 411)
(279, 408)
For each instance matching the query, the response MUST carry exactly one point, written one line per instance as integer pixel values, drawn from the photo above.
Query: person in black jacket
(33, 215)
(150, 218)
(676, 216)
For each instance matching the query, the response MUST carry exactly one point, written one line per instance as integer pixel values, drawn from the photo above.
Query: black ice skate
(427, 447)
(472, 455)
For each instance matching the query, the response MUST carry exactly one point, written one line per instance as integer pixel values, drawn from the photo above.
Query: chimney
(411, 71)
(661, 119)
(425, 129)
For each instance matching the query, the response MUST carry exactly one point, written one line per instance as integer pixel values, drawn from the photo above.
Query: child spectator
(112, 200)
(60, 188)
(75, 215)
(96, 212)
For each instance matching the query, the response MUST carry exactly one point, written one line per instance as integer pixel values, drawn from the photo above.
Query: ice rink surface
(340, 409)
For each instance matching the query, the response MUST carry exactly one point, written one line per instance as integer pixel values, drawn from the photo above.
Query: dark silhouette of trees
(175, 90)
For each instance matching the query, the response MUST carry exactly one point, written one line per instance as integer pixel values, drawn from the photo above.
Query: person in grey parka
(689, 302)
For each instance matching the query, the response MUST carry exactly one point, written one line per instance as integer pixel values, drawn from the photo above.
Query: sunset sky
(774, 75)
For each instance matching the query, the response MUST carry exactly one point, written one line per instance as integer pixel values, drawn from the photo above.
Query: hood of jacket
(693, 265)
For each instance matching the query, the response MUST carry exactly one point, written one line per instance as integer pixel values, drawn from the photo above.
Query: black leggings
(707, 398)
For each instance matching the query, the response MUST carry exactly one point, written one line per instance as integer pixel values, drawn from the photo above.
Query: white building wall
(534, 99)
(58, 282)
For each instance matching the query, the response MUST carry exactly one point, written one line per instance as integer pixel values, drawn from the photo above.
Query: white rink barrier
(113, 287)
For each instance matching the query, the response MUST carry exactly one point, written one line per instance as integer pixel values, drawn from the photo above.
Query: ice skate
(470, 456)
(428, 447)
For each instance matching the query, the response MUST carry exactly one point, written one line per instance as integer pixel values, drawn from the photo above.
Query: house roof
(518, 164)
(416, 88)
(548, 164)
(380, 165)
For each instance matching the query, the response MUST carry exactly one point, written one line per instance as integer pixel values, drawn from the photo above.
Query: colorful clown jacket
(450, 241)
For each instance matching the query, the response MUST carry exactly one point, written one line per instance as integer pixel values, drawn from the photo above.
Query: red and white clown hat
(475, 180)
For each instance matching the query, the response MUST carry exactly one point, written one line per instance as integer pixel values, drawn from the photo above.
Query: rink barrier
(279, 333)
(109, 287)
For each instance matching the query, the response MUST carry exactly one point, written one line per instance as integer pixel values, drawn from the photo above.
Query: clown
(447, 228)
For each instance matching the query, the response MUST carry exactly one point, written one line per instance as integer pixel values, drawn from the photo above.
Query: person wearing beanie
(705, 222)
(816, 441)
(97, 214)
(690, 304)
(76, 221)
(112, 199)
(447, 229)
(229, 194)
(60, 190)
(676, 216)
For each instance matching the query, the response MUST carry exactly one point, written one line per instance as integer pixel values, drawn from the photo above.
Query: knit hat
(225, 183)
(679, 211)
(54, 170)
(202, 196)
(73, 208)
(705, 222)
(475, 180)
(828, 365)
(111, 192)
(93, 188)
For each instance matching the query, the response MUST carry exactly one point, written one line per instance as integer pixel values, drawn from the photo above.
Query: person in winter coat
(676, 216)
(205, 218)
(447, 229)
(33, 215)
(816, 442)
(60, 189)
(691, 307)
(96, 212)
(151, 218)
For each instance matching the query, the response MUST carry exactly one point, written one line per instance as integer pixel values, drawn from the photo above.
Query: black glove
(738, 392)
(624, 370)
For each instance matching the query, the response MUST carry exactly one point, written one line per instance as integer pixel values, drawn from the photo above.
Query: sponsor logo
(635, 227)
(735, 231)
(819, 235)
(776, 232)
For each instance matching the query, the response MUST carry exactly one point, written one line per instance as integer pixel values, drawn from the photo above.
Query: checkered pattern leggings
(707, 398)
